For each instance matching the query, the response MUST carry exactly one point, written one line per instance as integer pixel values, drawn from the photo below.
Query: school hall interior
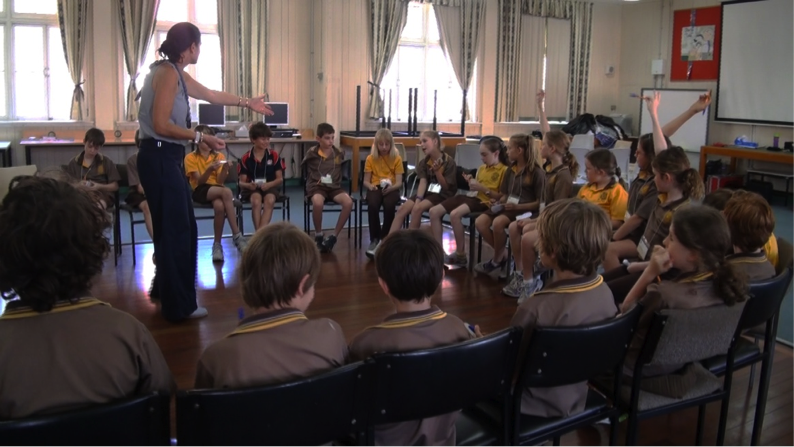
(317, 57)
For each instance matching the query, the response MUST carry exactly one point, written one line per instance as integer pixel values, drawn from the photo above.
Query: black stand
(358, 110)
(435, 103)
(388, 122)
(416, 104)
(463, 115)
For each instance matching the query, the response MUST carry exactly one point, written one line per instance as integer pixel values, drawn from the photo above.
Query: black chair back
(125, 179)
(765, 299)
(460, 180)
(311, 411)
(142, 420)
(785, 255)
(432, 382)
(562, 355)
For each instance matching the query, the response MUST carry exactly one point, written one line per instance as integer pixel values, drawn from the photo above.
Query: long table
(735, 153)
(357, 143)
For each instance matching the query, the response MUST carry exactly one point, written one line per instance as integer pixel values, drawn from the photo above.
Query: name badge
(326, 179)
(471, 194)
(513, 200)
(542, 207)
(434, 188)
(642, 248)
(626, 217)
(269, 162)
(259, 181)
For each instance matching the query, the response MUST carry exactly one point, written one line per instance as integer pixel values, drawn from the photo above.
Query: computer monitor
(280, 114)
(212, 115)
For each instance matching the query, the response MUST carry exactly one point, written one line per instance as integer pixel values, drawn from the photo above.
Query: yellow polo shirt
(194, 162)
(490, 177)
(612, 199)
(770, 248)
(384, 168)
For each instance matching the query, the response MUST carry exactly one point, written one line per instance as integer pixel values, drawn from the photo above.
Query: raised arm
(196, 90)
(659, 142)
(697, 107)
(544, 121)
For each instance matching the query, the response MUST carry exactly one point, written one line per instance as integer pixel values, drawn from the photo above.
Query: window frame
(160, 26)
(9, 20)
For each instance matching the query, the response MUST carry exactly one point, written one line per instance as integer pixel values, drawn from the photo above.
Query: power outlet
(612, 108)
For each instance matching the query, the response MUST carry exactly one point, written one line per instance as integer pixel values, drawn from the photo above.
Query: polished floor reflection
(348, 293)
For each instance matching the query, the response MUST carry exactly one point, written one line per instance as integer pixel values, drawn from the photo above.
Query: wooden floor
(347, 292)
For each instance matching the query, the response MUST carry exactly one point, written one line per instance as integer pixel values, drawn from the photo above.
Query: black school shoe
(329, 243)
(319, 241)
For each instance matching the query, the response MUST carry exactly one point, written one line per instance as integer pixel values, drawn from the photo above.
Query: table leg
(703, 160)
(27, 155)
(733, 165)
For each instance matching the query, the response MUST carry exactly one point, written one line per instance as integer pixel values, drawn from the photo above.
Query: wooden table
(357, 143)
(5, 148)
(735, 153)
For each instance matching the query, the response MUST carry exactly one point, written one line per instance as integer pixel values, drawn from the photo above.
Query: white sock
(318, 233)
(237, 236)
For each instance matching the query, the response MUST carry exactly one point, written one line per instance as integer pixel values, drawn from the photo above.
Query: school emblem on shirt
(603, 196)
(269, 162)
(495, 177)
(667, 218)
(553, 180)
(644, 189)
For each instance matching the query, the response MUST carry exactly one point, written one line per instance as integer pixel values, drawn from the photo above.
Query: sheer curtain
(137, 19)
(73, 22)
(387, 20)
(558, 75)
(530, 72)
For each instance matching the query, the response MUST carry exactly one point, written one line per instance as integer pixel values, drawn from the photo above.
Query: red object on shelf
(715, 182)
(701, 70)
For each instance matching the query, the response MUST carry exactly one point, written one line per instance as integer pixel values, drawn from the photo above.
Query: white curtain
(387, 20)
(530, 71)
(242, 30)
(460, 30)
(137, 19)
(73, 22)
(558, 75)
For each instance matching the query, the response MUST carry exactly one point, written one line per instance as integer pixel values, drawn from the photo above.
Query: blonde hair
(531, 154)
(561, 142)
(433, 135)
(384, 135)
(576, 232)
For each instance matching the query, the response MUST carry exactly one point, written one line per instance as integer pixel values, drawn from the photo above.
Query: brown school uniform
(559, 184)
(272, 347)
(317, 166)
(562, 303)
(688, 291)
(411, 331)
(642, 201)
(755, 266)
(449, 170)
(518, 184)
(658, 226)
(102, 171)
(76, 355)
(134, 197)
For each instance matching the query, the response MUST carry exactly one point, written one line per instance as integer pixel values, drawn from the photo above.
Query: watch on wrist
(198, 138)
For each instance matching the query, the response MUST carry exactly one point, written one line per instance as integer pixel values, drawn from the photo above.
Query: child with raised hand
(483, 188)
(696, 247)
(437, 181)
(521, 192)
(562, 169)
(719, 200)
(677, 184)
(278, 343)
(383, 178)
(410, 267)
(572, 238)
(206, 169)
(324, 182)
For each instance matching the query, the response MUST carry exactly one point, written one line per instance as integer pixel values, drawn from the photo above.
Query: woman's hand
(258, 105)
(660, 261)
(213, 142)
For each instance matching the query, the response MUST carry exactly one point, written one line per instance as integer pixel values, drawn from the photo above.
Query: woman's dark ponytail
(179, 38)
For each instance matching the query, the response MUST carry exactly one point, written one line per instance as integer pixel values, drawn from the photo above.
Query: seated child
(751, 222)
(572, 239)
(482, 189)
(95, 171)
(521, 192)
(261, 174)
(324, 182)
(136, 198)
(437, 175)
(383, 178)
(696, 247)
(207, 170)
(604, 186)
(562, 169)
(719, 199)
(277, 343)
(60, 348)
(410, 267)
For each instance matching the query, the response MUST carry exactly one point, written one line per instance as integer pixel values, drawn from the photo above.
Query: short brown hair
(411, 262)
(94, 136)
(274, 264)
(324, 129)
(750, 220)
(259, 130)
(718, 199)
(577, 232)
(54, 242)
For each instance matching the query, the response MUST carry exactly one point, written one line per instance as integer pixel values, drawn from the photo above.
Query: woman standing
(164, 120)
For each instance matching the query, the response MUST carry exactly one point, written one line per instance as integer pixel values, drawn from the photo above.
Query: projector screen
(756, 82)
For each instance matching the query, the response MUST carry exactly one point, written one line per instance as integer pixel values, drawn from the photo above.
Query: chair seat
(473, 428)
(706, 383)
(128, 208)
(746, 353)
(237, 204)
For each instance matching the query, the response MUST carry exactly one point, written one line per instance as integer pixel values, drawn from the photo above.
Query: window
(36, 81)
(421, 63)
(543, 64)
(204, 14)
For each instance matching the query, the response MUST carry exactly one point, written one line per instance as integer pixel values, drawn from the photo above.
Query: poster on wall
(696, 44)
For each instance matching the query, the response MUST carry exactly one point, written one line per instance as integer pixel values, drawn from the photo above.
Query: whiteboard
(674, 102)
